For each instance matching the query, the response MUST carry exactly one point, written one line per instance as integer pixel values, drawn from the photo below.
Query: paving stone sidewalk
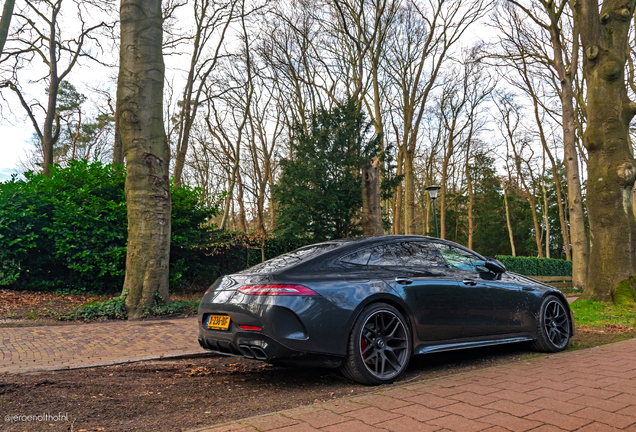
(587, 390)
(28, 349)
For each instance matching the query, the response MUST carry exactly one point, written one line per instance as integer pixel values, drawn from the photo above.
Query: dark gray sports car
(368, 304)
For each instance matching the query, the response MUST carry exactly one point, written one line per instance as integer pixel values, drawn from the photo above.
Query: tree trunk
(611, 167)
(48, 140)
(578, 236)
(442, 207)
(140, 97)
(5, 22)
(471, 201)
(371, 211)
(510, 236)
(533, 206)
(546, 222)
(546, 150)
(397, 213)
(239, 198)
(272, 204)
(409, 189)
(118, 148)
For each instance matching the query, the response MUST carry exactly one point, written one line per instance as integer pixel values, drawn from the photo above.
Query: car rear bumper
(279, 328)
(258, 346)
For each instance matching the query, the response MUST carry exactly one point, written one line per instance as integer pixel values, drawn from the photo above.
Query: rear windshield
(290, 258)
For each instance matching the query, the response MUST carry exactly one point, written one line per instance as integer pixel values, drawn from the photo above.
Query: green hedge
(531, 266)
(69, 232)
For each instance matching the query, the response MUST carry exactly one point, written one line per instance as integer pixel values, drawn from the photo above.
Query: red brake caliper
(363, 345)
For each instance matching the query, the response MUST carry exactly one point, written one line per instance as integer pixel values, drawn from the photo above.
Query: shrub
(69, 232)
(531, 266)
(114, 308)
(159, 308)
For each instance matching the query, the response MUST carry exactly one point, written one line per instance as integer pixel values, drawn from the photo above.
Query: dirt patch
(607, 329)
(588, 337)
(32, 308)
(179, 395)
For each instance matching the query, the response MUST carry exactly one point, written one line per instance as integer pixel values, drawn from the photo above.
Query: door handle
(469, 282)
(525, 288)
(403, 280)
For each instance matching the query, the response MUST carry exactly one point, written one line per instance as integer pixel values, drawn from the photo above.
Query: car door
(483, 307)
(416, 272)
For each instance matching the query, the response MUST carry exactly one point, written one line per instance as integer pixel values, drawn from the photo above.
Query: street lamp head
(432, 191)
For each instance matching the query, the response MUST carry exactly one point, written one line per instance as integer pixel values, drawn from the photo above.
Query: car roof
(347, 245)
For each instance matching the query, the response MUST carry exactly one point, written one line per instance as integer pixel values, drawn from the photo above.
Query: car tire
(553, 326)
(379, 347)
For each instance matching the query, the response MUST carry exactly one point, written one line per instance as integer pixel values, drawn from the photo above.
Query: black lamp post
(432, 192)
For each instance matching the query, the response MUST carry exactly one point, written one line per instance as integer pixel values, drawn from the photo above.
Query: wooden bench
(560, 282)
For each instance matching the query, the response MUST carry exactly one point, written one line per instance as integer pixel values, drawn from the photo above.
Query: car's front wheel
(379, 346)
(553, 326)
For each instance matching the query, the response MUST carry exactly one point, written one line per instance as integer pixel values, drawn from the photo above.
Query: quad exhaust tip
(253, 352)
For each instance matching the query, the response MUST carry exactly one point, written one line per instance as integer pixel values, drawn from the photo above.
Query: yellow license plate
(218, 322)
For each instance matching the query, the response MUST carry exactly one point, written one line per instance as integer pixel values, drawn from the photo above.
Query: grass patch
(598, 314)
(572, 291)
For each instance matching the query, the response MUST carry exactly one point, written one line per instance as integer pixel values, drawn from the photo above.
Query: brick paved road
(70, 346)
(588, 390)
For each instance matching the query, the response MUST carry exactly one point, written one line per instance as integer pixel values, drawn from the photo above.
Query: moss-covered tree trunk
(611, 167)
(140, 99)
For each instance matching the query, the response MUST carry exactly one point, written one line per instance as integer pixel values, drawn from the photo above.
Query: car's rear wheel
(553, 332)
(379, 346)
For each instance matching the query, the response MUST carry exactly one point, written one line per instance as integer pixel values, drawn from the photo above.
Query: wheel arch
(391, 300)
(564, 300)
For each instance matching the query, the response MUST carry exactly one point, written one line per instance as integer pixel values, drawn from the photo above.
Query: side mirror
(495, 266)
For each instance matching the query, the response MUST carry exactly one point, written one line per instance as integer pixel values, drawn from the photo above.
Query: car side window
(418, 254)
(382, 256)
(457, 258)
(360, 257)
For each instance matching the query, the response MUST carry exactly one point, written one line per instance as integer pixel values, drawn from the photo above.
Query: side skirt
(477, 344)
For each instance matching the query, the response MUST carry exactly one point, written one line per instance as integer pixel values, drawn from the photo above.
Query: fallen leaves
(201, 371)
(606, 329)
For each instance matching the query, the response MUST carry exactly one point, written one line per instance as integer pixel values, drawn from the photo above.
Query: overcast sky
(17, 131)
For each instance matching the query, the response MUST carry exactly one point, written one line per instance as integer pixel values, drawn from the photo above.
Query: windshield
(289, 259)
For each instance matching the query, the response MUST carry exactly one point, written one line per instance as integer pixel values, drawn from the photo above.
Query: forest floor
(32, 308)
(180, 395)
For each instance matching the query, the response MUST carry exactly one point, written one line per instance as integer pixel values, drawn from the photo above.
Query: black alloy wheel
(379, 346)
(554, 326)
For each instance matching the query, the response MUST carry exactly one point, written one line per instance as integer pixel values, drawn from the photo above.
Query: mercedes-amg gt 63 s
(368, 304)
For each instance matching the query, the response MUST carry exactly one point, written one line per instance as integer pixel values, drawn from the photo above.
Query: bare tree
(509, 120)
(548, 47)
(212, 18)
(463, 94)
(421, 42)
(39, 35)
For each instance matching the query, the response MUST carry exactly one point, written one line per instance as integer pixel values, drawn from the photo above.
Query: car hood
(528, 280)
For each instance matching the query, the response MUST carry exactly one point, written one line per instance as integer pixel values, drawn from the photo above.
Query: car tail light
(246, 327)
(277, 290)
